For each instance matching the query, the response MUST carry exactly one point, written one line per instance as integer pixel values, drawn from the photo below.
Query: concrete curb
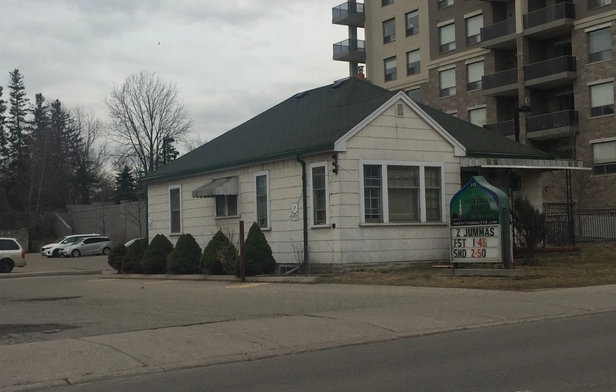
(217, 278)
(48, 273)
(36, 386)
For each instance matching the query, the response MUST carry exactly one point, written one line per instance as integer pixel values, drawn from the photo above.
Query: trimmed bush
(184, 259)
(155, 258)
(116, 256)
(219, 256)
(257, 253)
(132, 262)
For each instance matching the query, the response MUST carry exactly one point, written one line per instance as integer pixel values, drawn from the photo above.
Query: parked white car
(88, 246)
(54, 249)
(11, 255)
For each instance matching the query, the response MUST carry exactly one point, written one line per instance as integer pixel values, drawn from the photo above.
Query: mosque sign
(479, 224)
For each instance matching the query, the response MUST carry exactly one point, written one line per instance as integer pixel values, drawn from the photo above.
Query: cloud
(230, 59)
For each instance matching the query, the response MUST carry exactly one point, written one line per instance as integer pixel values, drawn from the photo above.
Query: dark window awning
(218, 187)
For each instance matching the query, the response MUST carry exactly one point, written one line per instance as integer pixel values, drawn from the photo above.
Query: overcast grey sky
(231, 59)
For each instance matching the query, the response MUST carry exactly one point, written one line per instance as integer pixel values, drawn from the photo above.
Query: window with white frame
(444, 3)
(389, 31)
(604, 157)
(477, 117)
(175, 210)
(413, 62)
(447, 81)
(447, 38)
(402, 193)
(474, 73)
(262, 200)
(602, 99)
(600, 45)
(391, 69)
(319, 195)
(473, 29)
(412, 23)
(414, 94)
(226, 205)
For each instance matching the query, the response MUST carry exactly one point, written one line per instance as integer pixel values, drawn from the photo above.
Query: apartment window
(413, 63)
(391, 70)
(319, 195)
(386, 2)
(477, 117)
(474, 73)
(415, 95)
(473, 29)
(175, 210)
(395, 193)
(602, 99)
(599, 45)
(389, 31)
(444, 3)
(447, 38)
(226, 205)
(592, 4)
(448, 82)
(604, 157)
(412, 23)
(262, 200)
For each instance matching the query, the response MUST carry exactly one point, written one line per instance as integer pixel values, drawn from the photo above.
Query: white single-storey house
(340, 176)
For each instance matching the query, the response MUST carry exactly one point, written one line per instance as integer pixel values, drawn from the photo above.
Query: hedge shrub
(184, 259)
(132, 262)
(219, 256)
(257, 254)
(155, 258)
(117, 255)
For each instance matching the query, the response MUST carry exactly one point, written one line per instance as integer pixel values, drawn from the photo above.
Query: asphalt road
(574, 354)
(49, 308)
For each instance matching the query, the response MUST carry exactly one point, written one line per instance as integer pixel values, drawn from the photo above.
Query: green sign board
(479, 224)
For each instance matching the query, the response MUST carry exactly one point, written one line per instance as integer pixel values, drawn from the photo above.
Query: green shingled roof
(312, 122)
(481, 142)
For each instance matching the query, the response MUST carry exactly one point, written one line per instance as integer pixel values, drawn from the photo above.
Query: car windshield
(59, 240)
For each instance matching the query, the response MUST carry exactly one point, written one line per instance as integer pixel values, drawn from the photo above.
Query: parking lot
(38, 263)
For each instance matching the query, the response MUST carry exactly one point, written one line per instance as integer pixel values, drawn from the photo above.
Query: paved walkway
(71, 361)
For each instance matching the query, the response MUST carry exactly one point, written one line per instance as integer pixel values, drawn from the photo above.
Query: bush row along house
(343, 175)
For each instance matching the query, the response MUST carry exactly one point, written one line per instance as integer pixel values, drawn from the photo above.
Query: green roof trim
(312, 121)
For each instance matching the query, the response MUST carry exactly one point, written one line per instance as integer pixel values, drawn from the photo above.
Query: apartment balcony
(504, 128)
(349, 14)
(500, 35)
(552, 125)
(559, 71)
(500, 84)
(351, 50)
(550, 22)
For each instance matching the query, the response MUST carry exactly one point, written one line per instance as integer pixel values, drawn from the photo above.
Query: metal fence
(584, 225)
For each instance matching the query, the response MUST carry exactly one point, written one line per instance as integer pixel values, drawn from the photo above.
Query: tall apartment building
(541, 71)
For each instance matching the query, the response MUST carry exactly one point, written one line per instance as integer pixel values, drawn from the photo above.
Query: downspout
(305, 210)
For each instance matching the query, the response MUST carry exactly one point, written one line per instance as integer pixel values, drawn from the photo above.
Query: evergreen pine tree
(125, 186)
(17, 125)
(39, 152)
(3, 136)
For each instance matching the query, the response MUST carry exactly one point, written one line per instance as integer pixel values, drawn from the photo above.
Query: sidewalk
(72, 361)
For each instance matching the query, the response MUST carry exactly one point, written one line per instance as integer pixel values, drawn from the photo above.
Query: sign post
(479, 224)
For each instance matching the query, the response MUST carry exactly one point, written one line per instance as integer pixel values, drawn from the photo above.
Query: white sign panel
(476, 244)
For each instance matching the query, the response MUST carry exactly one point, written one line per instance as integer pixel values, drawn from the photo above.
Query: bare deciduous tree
(145, 110)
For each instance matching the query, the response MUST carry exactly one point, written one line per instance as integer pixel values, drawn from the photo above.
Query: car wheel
(6, 266)
(55, 253)
(76, 253)
(106, 251)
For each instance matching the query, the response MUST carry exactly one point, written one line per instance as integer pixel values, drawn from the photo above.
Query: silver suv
(55, 248)
(88, 246)
(11, 255)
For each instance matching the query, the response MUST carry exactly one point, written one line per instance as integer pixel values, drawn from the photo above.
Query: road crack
(116, 349)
